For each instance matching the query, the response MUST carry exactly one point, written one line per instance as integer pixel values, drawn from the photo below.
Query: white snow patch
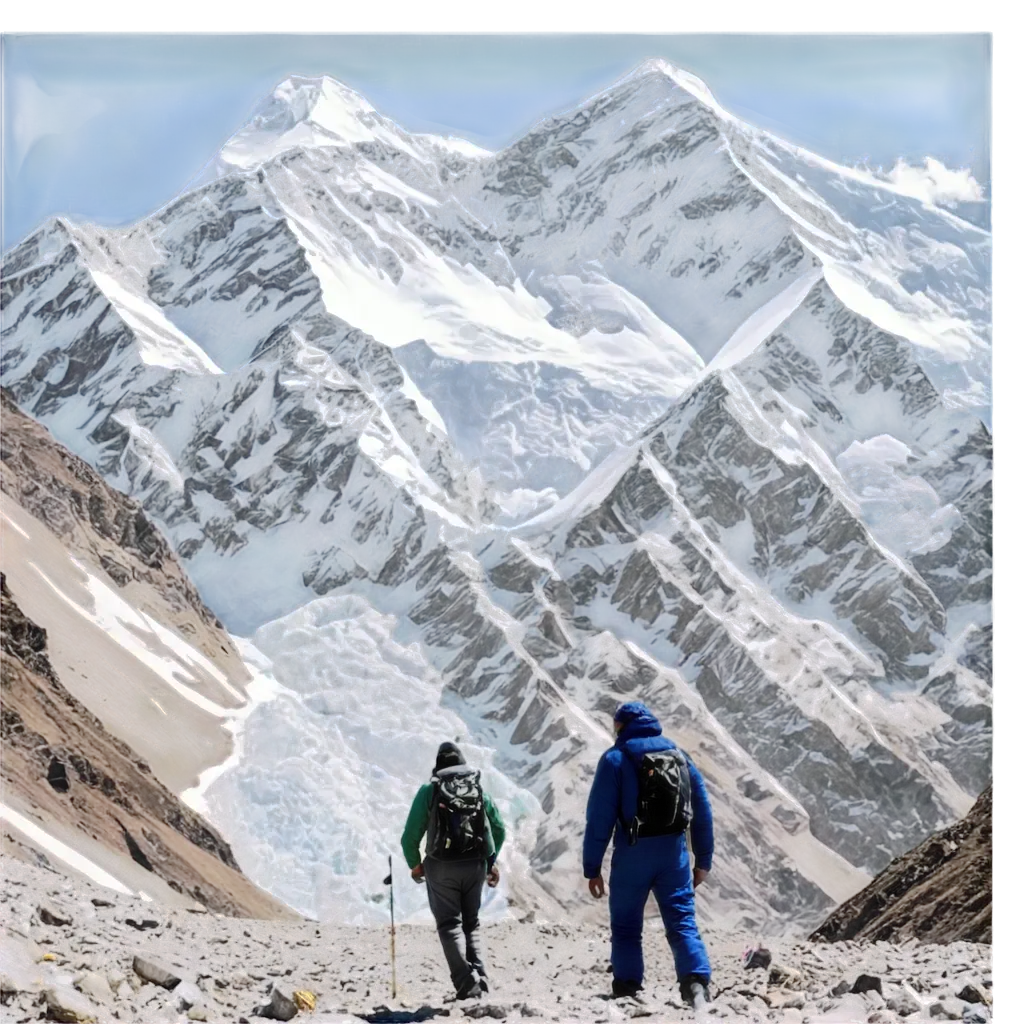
(762, 322)
(160, 342)
(62, 851)
(159, 649)
(14, 526)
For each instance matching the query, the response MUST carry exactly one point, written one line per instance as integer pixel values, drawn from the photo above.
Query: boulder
(280, 1006)
(867, 983)
(19, 971)
(95, 986)
(50, 913)
(64, 1004)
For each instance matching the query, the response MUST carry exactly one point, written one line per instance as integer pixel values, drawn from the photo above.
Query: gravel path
(96, 943)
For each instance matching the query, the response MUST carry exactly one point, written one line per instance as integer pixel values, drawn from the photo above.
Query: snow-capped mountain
(648, 403)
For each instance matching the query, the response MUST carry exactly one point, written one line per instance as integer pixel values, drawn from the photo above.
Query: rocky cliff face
(61, 764)
(941, 891)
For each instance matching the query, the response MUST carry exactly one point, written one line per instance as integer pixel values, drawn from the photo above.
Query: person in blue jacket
(655, 863)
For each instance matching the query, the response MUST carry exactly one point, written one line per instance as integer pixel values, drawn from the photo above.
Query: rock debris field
(72, 951)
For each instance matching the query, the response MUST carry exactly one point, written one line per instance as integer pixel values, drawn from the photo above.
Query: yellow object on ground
(304, 1000)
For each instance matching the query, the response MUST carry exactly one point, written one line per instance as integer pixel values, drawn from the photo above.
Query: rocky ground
(72, 951)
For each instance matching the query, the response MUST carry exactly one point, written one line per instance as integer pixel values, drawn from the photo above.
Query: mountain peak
(659, 66)
(319, 100)
(302, 111)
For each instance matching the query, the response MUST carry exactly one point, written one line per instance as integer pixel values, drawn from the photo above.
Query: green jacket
(419, 816)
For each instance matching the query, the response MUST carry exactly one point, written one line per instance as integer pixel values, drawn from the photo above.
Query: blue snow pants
(659, 864)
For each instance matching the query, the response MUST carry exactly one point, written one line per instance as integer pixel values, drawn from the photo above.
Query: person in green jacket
(464, 834)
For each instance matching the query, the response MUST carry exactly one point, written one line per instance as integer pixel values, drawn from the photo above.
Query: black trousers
(454, 888)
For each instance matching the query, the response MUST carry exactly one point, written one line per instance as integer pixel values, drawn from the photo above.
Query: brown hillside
(941, 891)
(59, 760)
(107, 530)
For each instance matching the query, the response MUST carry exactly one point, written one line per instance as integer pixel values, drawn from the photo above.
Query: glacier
(328, 762)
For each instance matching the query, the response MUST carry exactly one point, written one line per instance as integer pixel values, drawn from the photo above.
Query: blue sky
(108, 128)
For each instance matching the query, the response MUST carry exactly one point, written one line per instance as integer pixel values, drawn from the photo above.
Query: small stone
(151, 970)
(280, 1006)
(142, 923)
(946, 1009)
(152, 996)
(972, 994)
(99, 901)
(757, 957)
(51, 914)
(785, 977)
(867, 983)
(95, 986)
(904, 1003)
(841, 989)
(976, 1015)
(198, 1013)
(66, 1005)
(187, 995)
(86, 909)
(850, 1008)
(497, 1011)
(874, 999)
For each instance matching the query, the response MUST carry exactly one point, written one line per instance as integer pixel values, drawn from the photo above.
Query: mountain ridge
(417, 349)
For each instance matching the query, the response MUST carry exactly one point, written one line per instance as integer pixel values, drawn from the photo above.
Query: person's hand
(417, 874)
(699, 874)
(596, 886)
(493, 876)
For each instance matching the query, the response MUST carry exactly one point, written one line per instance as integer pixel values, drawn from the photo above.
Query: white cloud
(935, 183)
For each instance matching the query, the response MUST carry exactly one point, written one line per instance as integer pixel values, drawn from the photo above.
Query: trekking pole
(389, 882)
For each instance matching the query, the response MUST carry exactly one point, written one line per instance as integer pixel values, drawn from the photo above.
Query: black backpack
(663, 800)
(457, 827)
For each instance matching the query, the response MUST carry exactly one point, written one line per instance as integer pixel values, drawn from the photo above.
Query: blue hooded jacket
(614, 792)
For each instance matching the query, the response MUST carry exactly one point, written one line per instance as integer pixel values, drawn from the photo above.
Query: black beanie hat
(449, 756)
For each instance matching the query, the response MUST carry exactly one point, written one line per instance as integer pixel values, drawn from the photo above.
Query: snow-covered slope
(648, 404)
(706, 219)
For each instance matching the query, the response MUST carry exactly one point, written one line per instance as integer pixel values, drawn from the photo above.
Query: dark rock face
(941, 891)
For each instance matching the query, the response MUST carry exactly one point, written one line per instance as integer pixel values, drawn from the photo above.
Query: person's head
(631, 712)
(448, 756)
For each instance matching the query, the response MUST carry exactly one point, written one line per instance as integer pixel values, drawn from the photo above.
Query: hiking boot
(694, 990)
(626, 989)
(472, 990)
